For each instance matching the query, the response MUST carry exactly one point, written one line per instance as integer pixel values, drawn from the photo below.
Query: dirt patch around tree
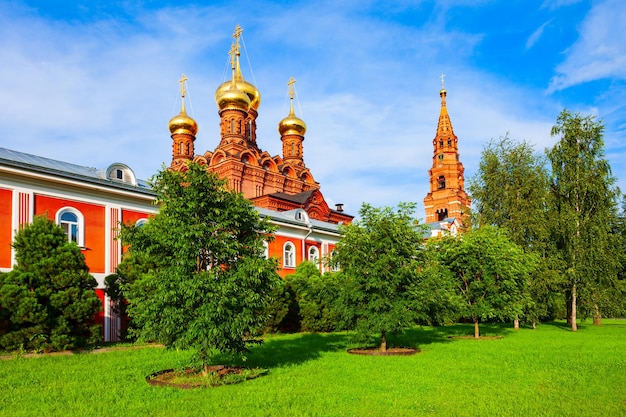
(216, 376)
(375, 351)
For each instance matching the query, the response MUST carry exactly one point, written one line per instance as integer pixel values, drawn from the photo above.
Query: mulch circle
(375, 351)
(165, 378)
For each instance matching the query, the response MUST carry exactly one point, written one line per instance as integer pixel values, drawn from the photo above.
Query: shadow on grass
(293, 349)
(296, 349)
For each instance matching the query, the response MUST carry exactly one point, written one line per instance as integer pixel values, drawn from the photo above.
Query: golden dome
(292, 125)
(182, 123)
(232, 98)
(250, 90)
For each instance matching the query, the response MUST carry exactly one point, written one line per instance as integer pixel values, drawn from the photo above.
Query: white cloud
(536, 35)
(600, 51)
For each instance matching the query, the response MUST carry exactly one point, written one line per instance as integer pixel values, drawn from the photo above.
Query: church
(90, 203)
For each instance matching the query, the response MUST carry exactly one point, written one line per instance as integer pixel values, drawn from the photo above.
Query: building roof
(41, 164)
(299, 218)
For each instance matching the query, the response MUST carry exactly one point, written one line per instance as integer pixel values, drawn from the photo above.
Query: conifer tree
(47, 302)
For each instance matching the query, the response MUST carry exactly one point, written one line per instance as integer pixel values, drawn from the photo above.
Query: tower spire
(447, 197)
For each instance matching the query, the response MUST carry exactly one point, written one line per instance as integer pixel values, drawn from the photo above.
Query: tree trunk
(516, 323)
(573, 316)
(534, 324)
(476, 330)
(383, 341)
(597, 316)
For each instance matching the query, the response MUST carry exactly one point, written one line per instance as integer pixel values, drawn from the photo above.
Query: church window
(440, 157)
(119, 174)
(232, 125)
(289, 255)
(442, 214)
(72, 223)
(266, 249)
(441, 143)
(181, 148)
(441, 182)
(457, 156)
(293, 148)
(449, 142)
(314, 254)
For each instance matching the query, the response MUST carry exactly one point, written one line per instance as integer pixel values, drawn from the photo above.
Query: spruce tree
(48, 300)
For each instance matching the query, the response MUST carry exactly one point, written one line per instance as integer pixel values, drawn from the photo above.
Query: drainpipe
(304, 241)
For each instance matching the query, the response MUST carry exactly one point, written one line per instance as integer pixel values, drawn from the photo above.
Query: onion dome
(292, 124)
(232, 98)
(250, 90)
(182, 123)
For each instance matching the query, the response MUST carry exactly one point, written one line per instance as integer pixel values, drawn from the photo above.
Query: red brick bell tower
(447, 197)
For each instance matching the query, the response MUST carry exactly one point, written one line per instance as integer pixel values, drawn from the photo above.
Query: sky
(94, 83)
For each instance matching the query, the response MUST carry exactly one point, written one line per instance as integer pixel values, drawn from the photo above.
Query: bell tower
(447, 197)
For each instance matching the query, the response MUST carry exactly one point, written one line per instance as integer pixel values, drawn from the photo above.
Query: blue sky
(96, 82)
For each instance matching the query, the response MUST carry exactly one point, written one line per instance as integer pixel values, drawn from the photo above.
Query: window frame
(79, 224)
(289, 256)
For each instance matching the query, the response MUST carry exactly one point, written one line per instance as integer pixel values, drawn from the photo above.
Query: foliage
(380, 255)
(584, 199)
(208, 285)
(491, 273)
(317, 298)
(48, 300)
(510, 190)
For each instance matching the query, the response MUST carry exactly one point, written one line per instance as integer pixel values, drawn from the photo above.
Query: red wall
(6, 203)
(95, 232)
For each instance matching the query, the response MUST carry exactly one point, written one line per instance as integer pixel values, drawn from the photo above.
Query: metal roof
(64, 169)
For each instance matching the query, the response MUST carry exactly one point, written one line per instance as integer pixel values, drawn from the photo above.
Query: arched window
(72, 223)
(314, 254)
(141, 222)
(441, 182)
(266, 249)
(289, 255)
(334, 266)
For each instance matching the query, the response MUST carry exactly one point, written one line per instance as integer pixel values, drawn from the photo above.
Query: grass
(550, 371)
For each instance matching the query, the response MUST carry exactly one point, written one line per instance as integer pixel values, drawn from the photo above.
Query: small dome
(231, 98)
(184, 124)
(292, 125)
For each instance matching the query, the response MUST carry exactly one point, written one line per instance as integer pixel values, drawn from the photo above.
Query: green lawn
(550, 371)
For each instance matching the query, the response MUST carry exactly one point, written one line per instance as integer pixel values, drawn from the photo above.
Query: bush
(47, 301)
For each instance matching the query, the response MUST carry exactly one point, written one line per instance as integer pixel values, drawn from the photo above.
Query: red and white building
(90, 204)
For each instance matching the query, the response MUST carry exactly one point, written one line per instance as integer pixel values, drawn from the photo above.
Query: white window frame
(313, 254)
(79, 224)
(289, 255)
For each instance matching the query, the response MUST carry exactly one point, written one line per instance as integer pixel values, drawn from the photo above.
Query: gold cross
(182, 85)
(237, 33)
(291, 82)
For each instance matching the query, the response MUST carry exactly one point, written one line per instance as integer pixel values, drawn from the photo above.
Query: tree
(510, 190)
(380, 255)
(209, 284)
(491, 273)
(47, 301)
(317, 298)
(584, 199)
